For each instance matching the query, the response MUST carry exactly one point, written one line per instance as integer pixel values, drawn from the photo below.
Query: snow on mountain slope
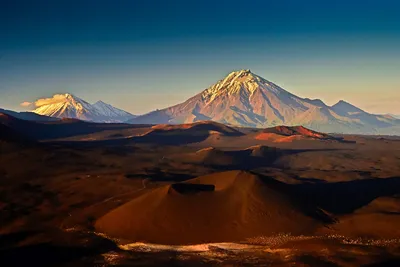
(243, 98)
(112, 112)
(66, 106)
(393, 116)
(344, 108)
(71, 106)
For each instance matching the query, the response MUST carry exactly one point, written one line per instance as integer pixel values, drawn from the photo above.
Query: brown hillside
(221, 207)
(286, 134)
(186, 133)
(197, 127)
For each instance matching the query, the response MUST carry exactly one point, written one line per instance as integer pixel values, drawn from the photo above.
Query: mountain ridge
(245, 99)
(70, 106)
(113, 112)
(26, 115)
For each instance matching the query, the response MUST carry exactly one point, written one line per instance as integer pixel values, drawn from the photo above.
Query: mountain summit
(245, 99)
(71, 106)
(112, 113)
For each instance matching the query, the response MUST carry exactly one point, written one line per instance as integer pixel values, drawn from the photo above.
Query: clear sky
(143, 55)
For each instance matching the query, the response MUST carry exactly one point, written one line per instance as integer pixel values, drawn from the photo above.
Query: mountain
(245, 99)
(219, 207)
(30, 116)
(112, 112)
(70, 106)
(61, 128)
(394, 116)
(346, 108)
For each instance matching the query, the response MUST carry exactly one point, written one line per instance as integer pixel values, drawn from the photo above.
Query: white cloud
(53, 100)
(26, 104)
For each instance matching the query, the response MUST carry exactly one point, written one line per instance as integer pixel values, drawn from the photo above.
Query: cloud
(47, 101)
(26, 104)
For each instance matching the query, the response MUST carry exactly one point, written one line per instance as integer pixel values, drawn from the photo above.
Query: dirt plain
(82, 194)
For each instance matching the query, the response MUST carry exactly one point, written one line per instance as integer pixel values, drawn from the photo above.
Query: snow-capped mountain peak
(343, 107)
(70, 106)
(242, 82)
(110, 111)
(243, 98)
(77, 102)
(63, 105)
(102, 105)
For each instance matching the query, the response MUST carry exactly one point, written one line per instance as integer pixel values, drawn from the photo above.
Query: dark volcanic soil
(222, 187)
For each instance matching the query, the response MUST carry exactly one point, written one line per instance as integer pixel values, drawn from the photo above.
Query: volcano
(245, 99)
(71, 106)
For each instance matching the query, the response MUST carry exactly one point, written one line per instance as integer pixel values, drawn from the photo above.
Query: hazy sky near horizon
(143, 55)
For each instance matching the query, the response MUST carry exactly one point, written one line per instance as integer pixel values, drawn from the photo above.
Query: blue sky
(143, 55)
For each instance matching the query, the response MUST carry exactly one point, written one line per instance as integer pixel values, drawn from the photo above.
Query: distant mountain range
(242, 99)
(70, 106)
(26, 115)
(245, 99)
